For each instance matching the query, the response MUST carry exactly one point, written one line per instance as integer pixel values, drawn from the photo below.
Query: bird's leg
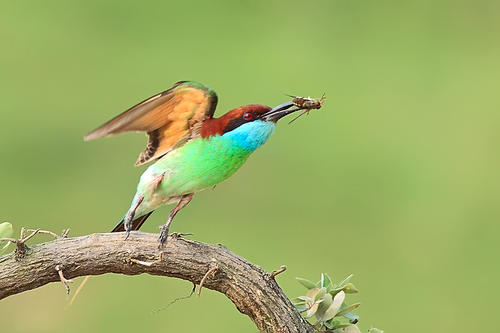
(127, 223)
(185, 199)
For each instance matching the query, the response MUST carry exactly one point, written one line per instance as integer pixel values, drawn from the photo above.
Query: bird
(191, 149)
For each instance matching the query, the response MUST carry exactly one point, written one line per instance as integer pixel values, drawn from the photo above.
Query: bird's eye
(247, 116)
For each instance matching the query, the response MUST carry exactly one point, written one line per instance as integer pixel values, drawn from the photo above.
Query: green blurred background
(394, 180)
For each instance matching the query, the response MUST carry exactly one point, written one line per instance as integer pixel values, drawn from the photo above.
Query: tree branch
(251, 289)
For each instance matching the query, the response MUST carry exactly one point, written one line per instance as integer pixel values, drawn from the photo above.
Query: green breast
(197, 165)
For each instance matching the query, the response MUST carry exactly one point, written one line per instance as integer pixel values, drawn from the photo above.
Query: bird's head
(246, 114)
(249, 125)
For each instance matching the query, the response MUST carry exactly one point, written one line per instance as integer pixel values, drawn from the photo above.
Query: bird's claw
(178, 235)
(127, 233)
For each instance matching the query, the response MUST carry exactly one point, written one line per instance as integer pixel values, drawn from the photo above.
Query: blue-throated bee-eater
(191, 150)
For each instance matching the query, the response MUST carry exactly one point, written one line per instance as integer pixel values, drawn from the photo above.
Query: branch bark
(253, 291)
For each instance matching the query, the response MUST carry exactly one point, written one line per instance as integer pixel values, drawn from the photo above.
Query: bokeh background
(394, 180)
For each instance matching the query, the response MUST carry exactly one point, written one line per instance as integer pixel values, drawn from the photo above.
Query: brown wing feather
(170, 118)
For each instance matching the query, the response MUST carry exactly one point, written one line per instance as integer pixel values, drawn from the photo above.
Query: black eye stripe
(236, 122)
(233, 123)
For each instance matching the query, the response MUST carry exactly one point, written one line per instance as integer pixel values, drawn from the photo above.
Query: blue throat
(251, 136)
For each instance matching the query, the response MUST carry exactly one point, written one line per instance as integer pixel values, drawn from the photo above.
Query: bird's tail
(136, 224)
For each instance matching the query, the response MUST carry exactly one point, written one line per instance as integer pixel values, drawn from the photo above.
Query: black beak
(279, 112)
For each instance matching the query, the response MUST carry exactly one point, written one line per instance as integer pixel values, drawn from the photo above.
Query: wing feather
(170, 118)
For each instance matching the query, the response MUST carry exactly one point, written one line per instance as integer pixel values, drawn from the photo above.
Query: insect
(306, 103)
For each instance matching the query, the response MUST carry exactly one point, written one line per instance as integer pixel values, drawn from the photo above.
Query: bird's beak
(279, 112)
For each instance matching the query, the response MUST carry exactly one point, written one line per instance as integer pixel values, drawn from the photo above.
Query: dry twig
(278, 271)
(63, 279)
(211, 271)
(21, 247)
(65, 233)
(44, 232)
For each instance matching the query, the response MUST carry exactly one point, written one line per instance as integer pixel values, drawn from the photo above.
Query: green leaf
(6, 231)
(325, 301)
(320, 294)
(348, 309)
(299, 303)
(312, 305)
(334, 307)
(329, 324)
(311, 293)
(300, 307)
(323, 307)
(345, 281)
(351, 316)
(312, 310)
(350, 288)
(326, 281)
(335, 291)
(306, 283)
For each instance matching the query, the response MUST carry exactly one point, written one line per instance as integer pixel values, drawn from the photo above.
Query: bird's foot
(162, 239)
(127, 223)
